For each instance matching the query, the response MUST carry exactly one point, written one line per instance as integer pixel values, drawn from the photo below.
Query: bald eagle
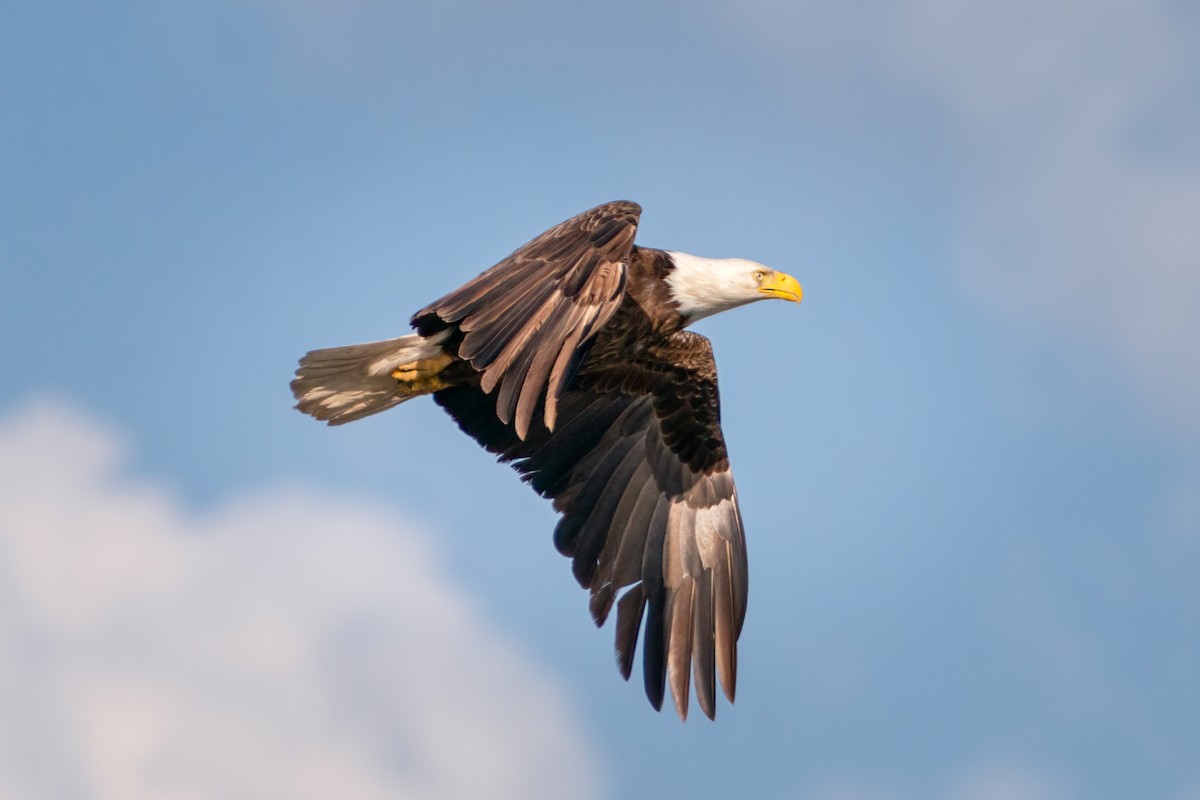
(570, 360)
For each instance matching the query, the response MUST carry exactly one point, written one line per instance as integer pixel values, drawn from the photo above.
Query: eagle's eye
(759, 275)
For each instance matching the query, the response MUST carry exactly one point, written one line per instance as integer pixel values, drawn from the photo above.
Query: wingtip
(729, 684)
(681, 706)
(655, 698)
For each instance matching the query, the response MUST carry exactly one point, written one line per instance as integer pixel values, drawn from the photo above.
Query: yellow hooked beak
(782, 286)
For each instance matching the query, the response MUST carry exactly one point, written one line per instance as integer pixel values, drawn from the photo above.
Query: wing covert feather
(526, 320)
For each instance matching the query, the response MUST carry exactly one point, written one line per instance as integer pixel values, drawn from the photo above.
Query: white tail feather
(342, 384)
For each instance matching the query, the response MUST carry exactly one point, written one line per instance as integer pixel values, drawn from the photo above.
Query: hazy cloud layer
(1071, 134)
(995, 780)
(1083, 208)
(286, 645)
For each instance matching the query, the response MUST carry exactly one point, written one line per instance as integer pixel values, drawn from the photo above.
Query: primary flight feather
(569, 360)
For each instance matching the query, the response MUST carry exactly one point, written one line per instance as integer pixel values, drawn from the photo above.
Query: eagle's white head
(705, 286)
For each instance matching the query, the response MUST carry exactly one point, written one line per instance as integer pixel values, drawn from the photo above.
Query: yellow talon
(422, 376)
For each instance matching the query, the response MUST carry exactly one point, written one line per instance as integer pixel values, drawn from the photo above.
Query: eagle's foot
(420, 377)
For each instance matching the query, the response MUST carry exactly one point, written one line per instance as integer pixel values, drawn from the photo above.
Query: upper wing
(527, 320)
(638, 469)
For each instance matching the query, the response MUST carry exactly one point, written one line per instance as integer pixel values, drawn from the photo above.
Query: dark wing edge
(650, 519)
(527, 321)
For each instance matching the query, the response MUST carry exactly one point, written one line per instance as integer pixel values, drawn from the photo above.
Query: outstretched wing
(638, 469)
(526, 322)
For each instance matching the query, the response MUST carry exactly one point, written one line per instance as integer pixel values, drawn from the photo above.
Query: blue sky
(969, 462)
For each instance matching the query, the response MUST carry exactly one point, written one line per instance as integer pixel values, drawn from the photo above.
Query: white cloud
(286, 645)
